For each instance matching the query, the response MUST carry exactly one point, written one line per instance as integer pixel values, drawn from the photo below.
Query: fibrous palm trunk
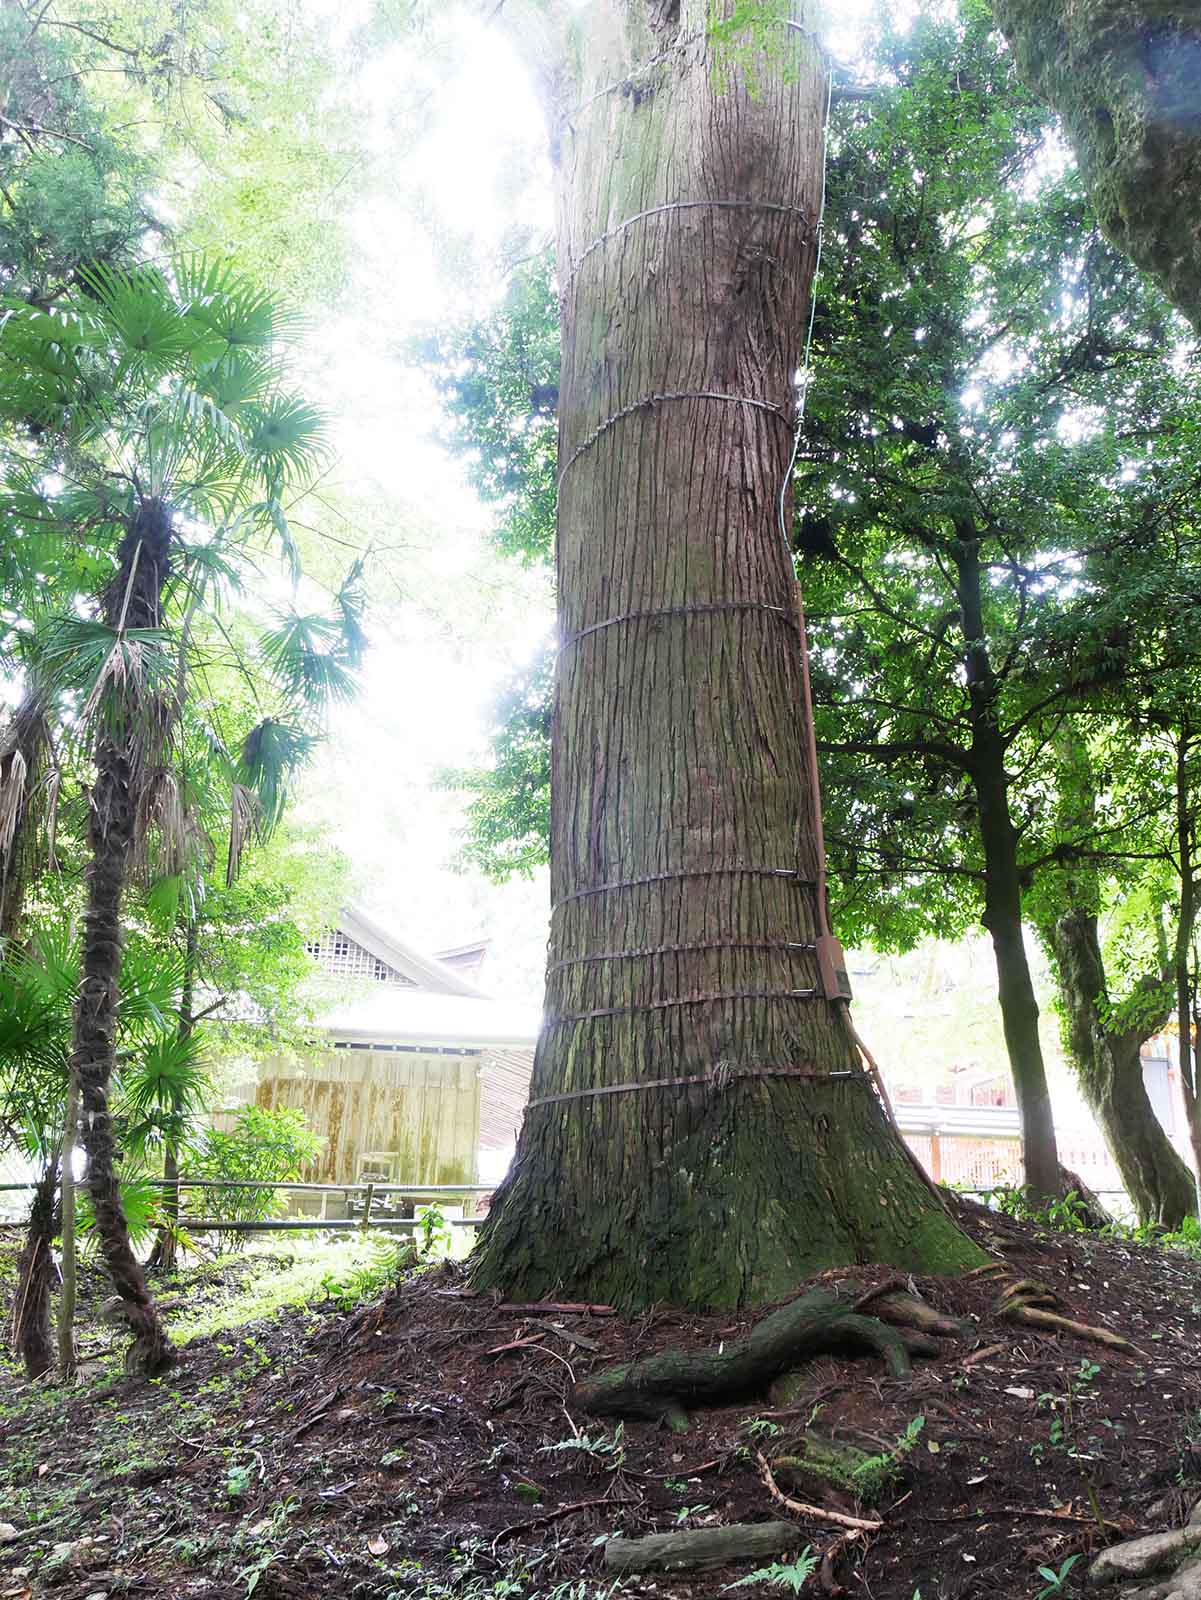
(35, 1278)
(133, 601)
(700, 1130)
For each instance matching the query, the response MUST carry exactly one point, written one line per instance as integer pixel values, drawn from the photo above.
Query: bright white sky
(456, 619)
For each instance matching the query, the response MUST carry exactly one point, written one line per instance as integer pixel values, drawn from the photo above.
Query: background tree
(188, 429)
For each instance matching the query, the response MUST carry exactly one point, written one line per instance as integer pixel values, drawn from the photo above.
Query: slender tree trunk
(1109, 1070)
(121, 748)
(1183, 942)
(683, 853)
(35, 1278)
(165, 1253)
(66, 1300)
(1002, 887)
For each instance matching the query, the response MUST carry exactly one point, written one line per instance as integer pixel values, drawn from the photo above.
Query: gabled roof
(426, 972)
(441, 1009)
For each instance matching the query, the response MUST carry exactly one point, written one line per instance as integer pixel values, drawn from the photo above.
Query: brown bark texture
(683, 852)
(133, 601)
(1109, 1069)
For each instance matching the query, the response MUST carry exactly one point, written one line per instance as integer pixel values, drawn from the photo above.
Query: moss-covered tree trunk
(683, 852)
(1125, 76)
(1109, 1068)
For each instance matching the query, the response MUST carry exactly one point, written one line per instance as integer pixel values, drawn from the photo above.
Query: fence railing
(371, 1192)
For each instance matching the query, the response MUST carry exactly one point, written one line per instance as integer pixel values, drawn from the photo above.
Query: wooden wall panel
(422, 1109)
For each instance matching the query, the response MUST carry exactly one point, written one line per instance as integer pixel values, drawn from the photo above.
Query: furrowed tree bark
(683, 854)
(1124, 77)
(1002, 884)
(1185, 922)
(132, 601)
(1109, 1069)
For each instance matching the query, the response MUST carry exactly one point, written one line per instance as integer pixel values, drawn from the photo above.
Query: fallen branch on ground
(702, 1547)
(559, 1512)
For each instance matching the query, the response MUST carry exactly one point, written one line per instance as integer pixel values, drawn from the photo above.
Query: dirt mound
(429, 1445)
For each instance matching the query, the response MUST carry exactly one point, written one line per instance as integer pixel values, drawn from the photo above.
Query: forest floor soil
(423, 1446)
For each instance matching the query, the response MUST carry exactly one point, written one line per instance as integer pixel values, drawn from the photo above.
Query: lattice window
(340, 956)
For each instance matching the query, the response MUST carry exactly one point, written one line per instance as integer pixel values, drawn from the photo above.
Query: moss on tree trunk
(1126, 79)
(683, 853)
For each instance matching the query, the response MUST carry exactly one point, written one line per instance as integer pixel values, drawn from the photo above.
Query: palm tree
(38, 986)
(167, 387)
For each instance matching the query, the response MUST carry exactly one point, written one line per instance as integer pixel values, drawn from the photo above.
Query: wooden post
(367, 1198)
(936, 1155)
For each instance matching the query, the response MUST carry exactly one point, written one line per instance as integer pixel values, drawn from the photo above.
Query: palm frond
(272, 753)
(167, 1084)
(123, 674)
(142, 321)
(291, 550)
(305, 656)
(151, 984)
(244, 813)
(230, 306)
(351, 601)
(13, 774)
(285, 438)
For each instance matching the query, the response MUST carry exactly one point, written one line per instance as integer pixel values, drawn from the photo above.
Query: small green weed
(874, 1475)
(1056, 1581)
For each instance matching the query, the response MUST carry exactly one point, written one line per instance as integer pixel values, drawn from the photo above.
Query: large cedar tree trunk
(132, 600)
(1109, 1069)
(683, 852)
(1125, 76)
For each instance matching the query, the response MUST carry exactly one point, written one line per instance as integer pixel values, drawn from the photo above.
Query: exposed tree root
(1033, 1304)
(905, 1310)
(817, 1323)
